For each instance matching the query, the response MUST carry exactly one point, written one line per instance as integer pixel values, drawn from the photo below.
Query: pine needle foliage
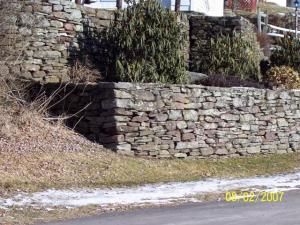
(237, 55)
(287, 53)
(147, 44)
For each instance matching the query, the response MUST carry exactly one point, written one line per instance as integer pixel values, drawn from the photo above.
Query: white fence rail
(272, 30)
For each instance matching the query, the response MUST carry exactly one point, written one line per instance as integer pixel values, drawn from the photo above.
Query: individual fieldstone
(57, 24)
(175, 115)
(295, 138)
(69, 27)
(47, 9)
(270, 136)
(145, 96)
(181, 125)
(57, 2)
(31, 67)
(230, 117)
(162, 117)
(180, 155)
(188, 136)
(171, 125)
(253, 150)
(58, 7)
(247, 117)
(121, 94)
(190, 115)
(207, 152)
(187, 145)
(164, 153)
(221, 152)
(140, 119)
(210, 126)
(282, 122)
(75, 15)
(238, 102)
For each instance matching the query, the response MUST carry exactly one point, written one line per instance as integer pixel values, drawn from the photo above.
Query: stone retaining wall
(51, 35)
(187, 121)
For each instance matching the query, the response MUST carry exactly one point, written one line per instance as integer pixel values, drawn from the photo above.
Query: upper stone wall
(184, 121)
(52, 35)
(204, 28)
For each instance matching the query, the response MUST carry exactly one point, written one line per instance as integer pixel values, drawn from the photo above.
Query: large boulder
(195, 78)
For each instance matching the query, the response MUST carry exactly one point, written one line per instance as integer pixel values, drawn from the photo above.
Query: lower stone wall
(183, 121)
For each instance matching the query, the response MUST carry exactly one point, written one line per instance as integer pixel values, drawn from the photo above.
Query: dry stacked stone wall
(49, 36)
(184, 121)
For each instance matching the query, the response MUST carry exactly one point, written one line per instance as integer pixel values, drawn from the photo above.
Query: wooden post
(78, 2)
(119, 4)
(259, 21)
(296, 23)
(266, 22)
(177, 5)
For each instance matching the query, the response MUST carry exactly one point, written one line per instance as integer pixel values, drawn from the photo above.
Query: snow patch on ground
(149, 194)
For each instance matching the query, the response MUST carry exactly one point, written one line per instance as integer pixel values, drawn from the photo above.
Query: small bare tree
(177, 5)
(119, 4)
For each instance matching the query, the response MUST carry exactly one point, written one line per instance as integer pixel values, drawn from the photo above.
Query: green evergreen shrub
(287, 53)
(236, 55)
(147, 44)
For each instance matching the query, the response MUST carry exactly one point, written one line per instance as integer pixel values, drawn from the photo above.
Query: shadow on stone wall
(91, 51)
(88, 109)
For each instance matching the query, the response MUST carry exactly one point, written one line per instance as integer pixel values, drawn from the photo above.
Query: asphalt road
(286, 212)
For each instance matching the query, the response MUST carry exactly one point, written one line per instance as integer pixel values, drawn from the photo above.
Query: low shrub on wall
(287, 53)
(236, 55)
(147, 45)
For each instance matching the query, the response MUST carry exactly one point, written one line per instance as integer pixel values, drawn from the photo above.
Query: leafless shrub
(265, 43)
(82, 73)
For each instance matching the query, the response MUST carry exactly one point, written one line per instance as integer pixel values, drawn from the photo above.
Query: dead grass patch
(35, 171)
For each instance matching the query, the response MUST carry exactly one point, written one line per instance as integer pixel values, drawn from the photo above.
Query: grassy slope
(269, 8)
(37, 171)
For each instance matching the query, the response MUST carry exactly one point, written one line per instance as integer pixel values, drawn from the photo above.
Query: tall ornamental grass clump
(146, 44)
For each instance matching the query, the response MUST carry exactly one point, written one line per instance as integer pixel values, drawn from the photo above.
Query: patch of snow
(150, 194)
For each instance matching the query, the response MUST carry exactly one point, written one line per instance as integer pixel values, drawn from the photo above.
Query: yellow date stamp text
(253, 197)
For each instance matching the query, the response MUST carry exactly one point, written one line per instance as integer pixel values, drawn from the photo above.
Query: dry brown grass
(79, 72)
(272, 8)
(35, 171)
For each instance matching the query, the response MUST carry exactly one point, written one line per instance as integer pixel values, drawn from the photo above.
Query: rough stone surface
(115, 118)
